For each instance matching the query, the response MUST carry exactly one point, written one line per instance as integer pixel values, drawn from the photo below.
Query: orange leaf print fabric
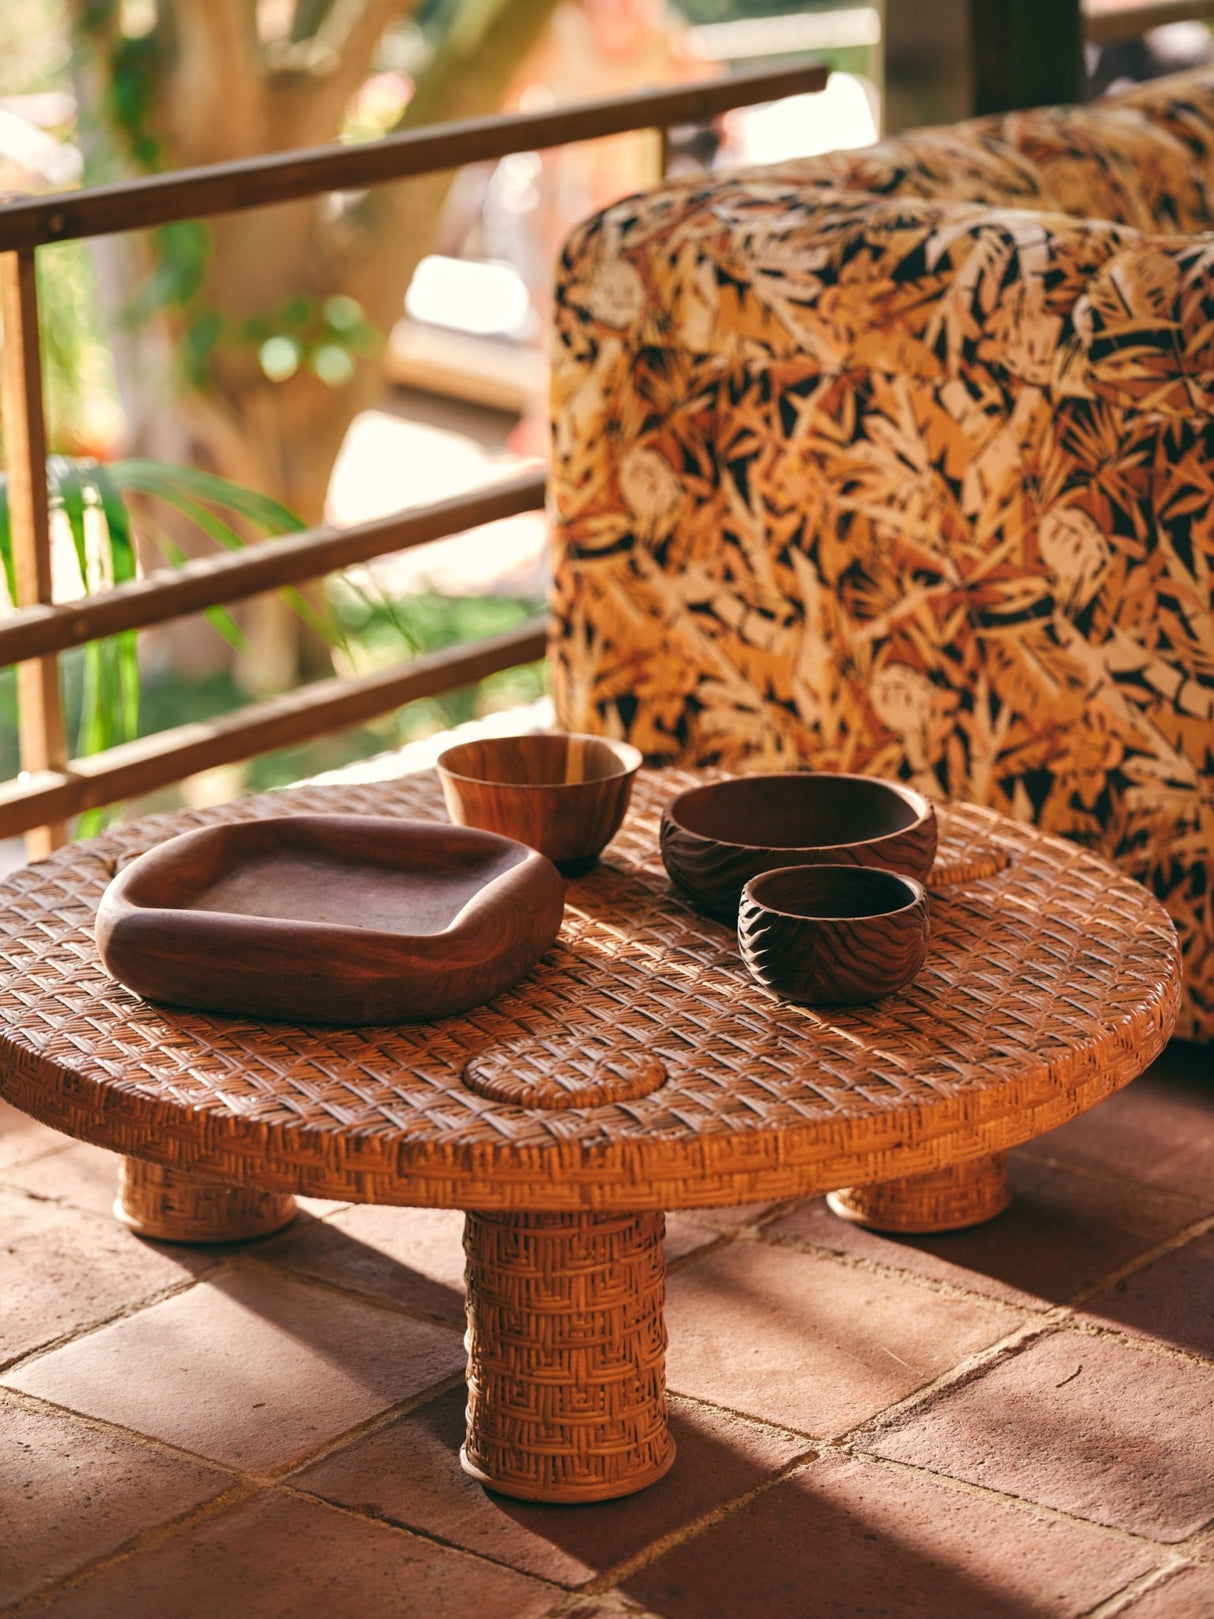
(902, 461)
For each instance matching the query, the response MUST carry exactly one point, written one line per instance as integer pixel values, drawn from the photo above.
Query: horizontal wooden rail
(307, 172)
(232, 576)
(51, 794)
(310, 711)
(1113, 24)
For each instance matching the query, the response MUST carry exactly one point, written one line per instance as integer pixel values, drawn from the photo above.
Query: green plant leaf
(220, 620)
(6, 542)
(92, 734)
(66, 492)
(171, 483)
(123, 566)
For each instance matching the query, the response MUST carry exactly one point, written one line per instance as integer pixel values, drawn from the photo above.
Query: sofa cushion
(911, 481)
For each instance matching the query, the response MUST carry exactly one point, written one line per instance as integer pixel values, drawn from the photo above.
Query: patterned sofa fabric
(902, 461)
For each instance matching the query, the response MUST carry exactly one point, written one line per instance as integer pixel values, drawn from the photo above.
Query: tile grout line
(144, 1540)
(165, 1447)
(876, 1267)
(694, 1527)
(1071, 1166)
(1041, 1324)
(1020, 1503)
(725, 1237)
(15, 1190)
(134, 1307)
(1120, 1600)
(252, 1262)
(958, 1372)
(960, 1293)
(38, 1157)
(1167, 1245)
(720, 1241)
(38, 1405)
(824, 1450)
(291, 1493)
(849, 1445)
(362, 1430)
(963, 1371)
(1130, 1340)
(243, 1485)
(816, 1448)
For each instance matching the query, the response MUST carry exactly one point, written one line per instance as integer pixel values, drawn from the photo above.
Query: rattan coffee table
(638, 1068)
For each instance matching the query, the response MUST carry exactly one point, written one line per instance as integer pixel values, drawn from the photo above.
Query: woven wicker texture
(566, 1354)
(962, 1194)
(1047, 987)
(163, 1203)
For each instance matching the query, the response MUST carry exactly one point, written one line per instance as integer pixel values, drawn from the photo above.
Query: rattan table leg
(964, 1194)
(566, 1355)
(172, 1206)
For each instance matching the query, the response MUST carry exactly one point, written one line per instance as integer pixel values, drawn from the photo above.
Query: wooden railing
(52, 787)
(1110, 22)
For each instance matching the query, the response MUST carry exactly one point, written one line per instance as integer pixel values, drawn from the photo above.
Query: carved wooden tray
(330, 918)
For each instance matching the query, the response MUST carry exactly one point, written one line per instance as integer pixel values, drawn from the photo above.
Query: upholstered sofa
(902, 461)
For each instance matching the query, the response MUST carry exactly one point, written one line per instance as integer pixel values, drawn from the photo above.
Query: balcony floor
(1012, 1421)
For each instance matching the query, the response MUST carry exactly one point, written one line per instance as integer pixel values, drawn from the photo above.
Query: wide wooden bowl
(715, 838)
(329, 918)
(833, 935)
(562, 793)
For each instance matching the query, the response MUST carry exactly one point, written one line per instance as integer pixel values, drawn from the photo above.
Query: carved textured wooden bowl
(833, 935)
(562, 793)
(717, 837)
(329, 919)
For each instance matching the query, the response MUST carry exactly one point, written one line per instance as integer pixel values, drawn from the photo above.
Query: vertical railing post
(1026, 53)
(664, 146)
(39, 701)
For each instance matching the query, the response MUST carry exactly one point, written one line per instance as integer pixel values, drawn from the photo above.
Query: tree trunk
(216, 91)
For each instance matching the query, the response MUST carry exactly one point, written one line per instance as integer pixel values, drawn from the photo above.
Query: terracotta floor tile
(251, 1369)
(87, 1177)
(409, 1474)
(1064, 1231)
(1172, 1299)
(807, 1342)
(735, 1217)
(61, 1269)
(844, 1538)
(1188, 1594)
(84, 1175)
(1088, 1425)
(686, 1236)
(413, 1257)
(22, 1138)
(71, 1494)
(279, 1558)
(1159, 1130)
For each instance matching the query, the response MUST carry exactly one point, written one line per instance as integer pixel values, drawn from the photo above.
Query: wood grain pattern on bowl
(329, 919)
(833, 935)
(563, 793)
(715, 838)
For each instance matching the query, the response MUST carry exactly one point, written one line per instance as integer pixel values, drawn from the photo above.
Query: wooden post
(1027, 53)
(928, 64)
(39, 701)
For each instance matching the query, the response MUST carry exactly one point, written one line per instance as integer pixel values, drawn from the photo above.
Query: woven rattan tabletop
(1047, 987)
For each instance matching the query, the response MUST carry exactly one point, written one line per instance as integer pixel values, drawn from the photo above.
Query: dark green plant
(94, 498)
